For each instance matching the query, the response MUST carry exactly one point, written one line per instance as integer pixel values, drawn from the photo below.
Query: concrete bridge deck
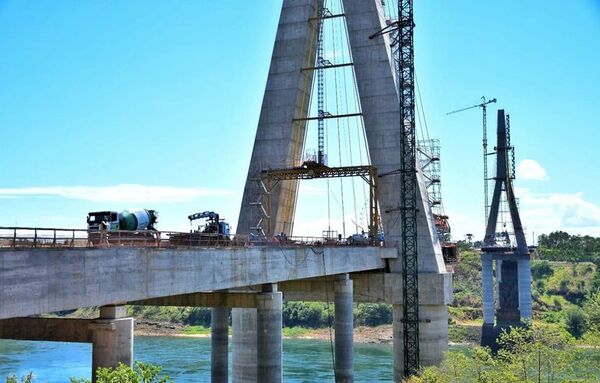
(36, 281)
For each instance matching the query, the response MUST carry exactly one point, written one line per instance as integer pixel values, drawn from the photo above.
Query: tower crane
(483, 105)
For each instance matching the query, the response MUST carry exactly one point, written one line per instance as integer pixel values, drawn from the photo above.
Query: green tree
(372, 314)
(592, 311)
(12, 378)
(456, 366)
(428, 375)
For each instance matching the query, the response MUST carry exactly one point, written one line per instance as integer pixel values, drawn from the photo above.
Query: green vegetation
(196, 316)
(560, 246)
(14, 379)
(566, 287)
(295, 314)
(535, 354)
(197, 330)
(141, 373)
(296, 332)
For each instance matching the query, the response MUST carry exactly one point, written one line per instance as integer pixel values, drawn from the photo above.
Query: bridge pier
(112, 338)
(269, 344)
(219, 355)
(433, 321)
(344, 330)
(243, 360)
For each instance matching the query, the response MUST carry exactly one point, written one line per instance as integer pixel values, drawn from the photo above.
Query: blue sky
(97, 96)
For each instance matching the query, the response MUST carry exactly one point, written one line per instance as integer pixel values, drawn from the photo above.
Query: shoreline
(362, 334)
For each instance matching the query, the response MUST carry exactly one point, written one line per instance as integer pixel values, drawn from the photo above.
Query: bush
(541, 270)
(306, 314)
(576, 322)
(141, 373)
(26, 379)
(372, 314)
(199, 316)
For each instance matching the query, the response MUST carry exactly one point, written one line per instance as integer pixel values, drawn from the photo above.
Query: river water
(188, 359)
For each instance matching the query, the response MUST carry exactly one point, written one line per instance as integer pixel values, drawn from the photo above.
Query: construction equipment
(134, 220)
(124, 228)
(483, 105)
(214, 231)
(214, 225)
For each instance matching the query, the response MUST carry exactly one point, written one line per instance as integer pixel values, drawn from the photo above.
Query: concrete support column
(243, 322)
(112, 338)
(433, 334)
(219, 353)
(524, 275)
(498, 280)
(344, 331)
(269, 335)
(398, 341)
(487, 280)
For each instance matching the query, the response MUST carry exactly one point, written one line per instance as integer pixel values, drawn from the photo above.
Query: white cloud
(116, 193)
(531, 170)
(546, 212)
(540, 213)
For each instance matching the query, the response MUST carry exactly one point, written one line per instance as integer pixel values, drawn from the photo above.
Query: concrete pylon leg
(269, 338)
(219, 353)
(524, 275)
(487, 282)
(344, 331)
(112, 339)
(433, 340)
(398, 341)
(243, 322)
(433, 334)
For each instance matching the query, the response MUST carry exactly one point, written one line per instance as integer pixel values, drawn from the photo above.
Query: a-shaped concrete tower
(279, 144)
(512, 263)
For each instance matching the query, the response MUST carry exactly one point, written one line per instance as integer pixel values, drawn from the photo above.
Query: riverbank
(467, 334)
(362, 334)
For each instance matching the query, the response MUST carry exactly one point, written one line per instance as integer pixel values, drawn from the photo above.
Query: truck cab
(103, 220)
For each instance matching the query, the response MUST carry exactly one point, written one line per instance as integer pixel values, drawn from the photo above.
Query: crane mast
(402, 36)
(483, 105)
(408, 190)
(320, 89)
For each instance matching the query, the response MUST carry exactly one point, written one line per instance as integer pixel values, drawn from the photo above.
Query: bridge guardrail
(32, 237)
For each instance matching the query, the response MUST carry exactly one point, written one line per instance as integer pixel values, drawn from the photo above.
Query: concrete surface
(73, 278)
(243, 360)
(344, 330)
(219, 340)
(269, 343)
(279, 141)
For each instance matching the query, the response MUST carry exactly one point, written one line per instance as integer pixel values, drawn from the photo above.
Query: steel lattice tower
(408, 170)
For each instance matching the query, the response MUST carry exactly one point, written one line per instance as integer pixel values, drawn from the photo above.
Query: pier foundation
(112, 338)
(269, 349)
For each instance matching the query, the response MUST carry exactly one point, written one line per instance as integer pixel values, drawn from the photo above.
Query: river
(188, 359)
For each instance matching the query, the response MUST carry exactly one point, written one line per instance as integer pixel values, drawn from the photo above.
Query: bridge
(46, 270)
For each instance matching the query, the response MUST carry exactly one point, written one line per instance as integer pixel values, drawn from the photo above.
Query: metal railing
(31, 237)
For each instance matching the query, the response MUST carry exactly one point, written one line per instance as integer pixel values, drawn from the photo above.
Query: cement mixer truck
(127, 227)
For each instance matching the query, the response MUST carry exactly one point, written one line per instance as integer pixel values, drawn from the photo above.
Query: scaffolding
(270, 179)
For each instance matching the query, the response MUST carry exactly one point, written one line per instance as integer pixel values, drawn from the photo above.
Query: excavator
(214, 230)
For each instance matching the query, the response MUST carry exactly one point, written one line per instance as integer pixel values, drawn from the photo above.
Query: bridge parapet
(32, 238)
